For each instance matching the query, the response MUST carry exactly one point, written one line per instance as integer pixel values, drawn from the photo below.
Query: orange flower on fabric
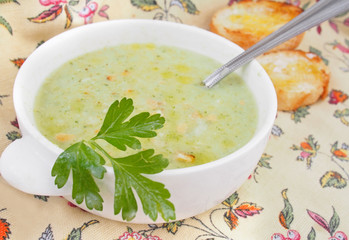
(308, 148)
(4, 228)
(337, 96)
(245, 209)
(341, 153)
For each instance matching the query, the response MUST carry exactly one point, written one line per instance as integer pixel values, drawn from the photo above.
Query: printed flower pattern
(291, 235)
(262, 163)
(3, 96)
(172, 227)
(163, 11)
(230, 213)
(308, 150)
(51, 2)
(334, 23)
(13, 135)
(47, 234)
(339, 236)
(286, 217)
(56, 7)
(333, 178)
(226, 219)
(131, 235)
(244, 210)
(88, 12)
(299, 114)
(76, 233)
(330, 227)
(3, 21)
(4, 228)
(341, 153)
(337, 96)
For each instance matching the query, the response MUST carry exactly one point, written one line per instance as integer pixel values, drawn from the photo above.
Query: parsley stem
(97, 146)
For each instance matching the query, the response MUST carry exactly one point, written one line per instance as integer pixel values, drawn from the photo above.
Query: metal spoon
(318, 13)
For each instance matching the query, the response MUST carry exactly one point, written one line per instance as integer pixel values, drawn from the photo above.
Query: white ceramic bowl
(26, 163)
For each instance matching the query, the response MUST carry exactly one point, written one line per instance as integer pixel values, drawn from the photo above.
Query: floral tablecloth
(298, 190)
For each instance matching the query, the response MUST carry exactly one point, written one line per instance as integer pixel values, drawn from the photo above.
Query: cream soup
(201, 125)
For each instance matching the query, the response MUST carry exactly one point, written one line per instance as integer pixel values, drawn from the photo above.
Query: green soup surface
(201, 124)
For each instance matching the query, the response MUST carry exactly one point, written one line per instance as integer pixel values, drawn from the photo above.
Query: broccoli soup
(201, 125)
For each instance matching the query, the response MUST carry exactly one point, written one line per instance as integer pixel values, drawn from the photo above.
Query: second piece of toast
(300, 78)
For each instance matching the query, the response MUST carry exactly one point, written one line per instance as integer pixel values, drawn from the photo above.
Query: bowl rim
(33, 131)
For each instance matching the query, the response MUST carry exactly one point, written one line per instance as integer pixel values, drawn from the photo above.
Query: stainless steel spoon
(318, 13)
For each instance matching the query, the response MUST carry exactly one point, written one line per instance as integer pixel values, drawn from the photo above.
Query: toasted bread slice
(248, 21)
(300, 78)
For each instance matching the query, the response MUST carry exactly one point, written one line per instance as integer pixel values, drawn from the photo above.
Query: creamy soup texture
(201, 125)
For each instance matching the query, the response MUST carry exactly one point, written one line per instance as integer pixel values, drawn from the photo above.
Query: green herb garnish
(86, 159)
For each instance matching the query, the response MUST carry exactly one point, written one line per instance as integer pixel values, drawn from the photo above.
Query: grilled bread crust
(248, 21)
(300, 78)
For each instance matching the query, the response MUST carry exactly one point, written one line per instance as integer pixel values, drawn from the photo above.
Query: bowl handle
(26, 165)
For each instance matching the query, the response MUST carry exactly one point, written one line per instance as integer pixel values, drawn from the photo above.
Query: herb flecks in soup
(201, 125)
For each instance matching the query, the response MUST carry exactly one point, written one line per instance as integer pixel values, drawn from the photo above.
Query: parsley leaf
(85, 164)
(86, 160)
(121, 134)
(153, 195)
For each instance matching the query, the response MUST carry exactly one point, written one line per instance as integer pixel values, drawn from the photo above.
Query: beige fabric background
(314, 197)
